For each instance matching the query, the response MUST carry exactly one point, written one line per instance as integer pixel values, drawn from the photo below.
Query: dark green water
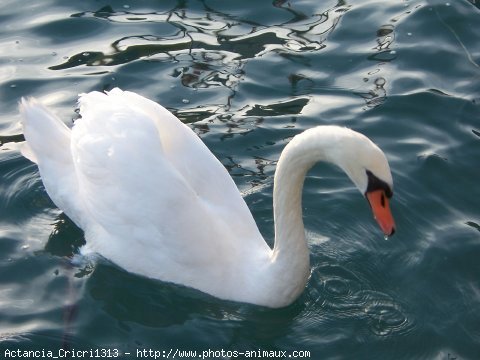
(247, 76)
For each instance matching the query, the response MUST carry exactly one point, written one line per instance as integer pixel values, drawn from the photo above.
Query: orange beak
(381, 211)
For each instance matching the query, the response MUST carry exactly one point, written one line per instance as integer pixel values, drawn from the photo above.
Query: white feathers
(152, 198)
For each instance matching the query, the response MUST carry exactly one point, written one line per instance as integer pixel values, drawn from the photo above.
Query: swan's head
(368, 168)
(362, 160)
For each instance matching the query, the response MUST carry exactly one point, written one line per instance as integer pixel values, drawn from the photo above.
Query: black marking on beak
(374, 183)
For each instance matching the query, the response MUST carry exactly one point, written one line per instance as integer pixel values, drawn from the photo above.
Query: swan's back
(148, 193)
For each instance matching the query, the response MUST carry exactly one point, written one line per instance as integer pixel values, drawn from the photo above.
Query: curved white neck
(287, 202)
(353, 153)
(290, 256)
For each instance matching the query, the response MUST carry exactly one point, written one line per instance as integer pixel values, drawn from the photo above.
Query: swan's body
(153, 199)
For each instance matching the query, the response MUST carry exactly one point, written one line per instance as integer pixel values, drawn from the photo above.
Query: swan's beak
(381, 211)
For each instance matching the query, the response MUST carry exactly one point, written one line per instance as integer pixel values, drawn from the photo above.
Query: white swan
(153, 199)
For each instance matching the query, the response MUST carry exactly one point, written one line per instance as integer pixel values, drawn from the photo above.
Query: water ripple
(384, 315)
(342, 293)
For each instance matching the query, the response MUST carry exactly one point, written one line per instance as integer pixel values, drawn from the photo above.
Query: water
(247, 76)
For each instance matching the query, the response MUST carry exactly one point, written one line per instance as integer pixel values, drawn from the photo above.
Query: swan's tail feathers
(28, 153)
(48, 145)
(47, 137)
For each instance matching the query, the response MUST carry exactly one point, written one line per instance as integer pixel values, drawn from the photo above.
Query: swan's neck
(290, 255)
(287, 204)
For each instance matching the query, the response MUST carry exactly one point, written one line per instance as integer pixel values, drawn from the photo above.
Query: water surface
(247, 76)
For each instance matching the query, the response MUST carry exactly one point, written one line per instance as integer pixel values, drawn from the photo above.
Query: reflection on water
(214, 32)
(211, 47)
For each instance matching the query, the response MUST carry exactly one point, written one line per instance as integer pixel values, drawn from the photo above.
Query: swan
(151, 197)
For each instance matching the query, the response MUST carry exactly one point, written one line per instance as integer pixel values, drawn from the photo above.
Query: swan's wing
(192, 159)
(178, 146)
(147, 192)
(146, 177)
